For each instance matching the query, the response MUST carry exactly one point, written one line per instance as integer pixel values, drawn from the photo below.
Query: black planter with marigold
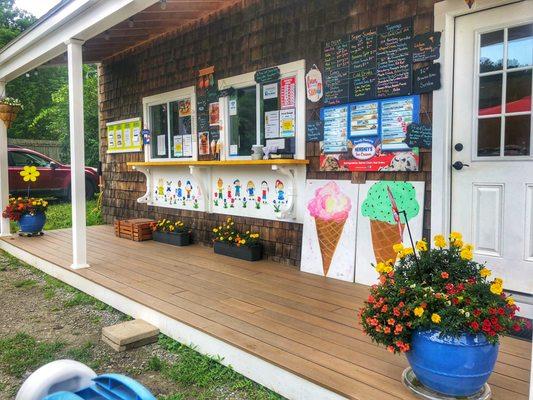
(171, 232)
(443, 311)
(228, 241)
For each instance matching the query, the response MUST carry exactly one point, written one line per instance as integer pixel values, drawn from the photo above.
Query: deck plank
(300, 322)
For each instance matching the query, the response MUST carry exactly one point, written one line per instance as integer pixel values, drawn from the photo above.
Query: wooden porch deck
(301, 323)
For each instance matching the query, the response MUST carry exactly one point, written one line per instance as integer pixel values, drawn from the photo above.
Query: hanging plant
(9, 109)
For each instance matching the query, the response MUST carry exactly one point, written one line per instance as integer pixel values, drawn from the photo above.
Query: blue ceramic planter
(453, 366)
(32, 223)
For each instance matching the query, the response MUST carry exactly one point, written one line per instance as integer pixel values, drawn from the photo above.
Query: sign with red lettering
(288, 92)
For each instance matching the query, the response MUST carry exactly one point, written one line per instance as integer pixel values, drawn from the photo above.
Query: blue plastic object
(32, 223)
(107, 387)
(453, 366)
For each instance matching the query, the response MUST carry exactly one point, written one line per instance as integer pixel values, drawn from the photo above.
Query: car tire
(90, 190)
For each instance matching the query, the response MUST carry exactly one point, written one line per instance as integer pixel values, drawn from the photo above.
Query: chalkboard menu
(394, 59)
(337, 71)
(427, 79)
(202, 113)
(315, 131)
(368, 64)
(426, 47)
(267, 75)
(419, 135)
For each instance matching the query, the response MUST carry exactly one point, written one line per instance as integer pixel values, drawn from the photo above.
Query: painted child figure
(179, 191)
(229, 193)
(160, 187)
(220, 187)
(279, 189)
(237, 186)
(264, 191)
(188, 189)
(250, 188)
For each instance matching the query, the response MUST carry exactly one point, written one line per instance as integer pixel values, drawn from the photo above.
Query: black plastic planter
(248, 253)
(175, 239)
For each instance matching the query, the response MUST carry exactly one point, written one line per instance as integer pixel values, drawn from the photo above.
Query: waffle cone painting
(328, 247)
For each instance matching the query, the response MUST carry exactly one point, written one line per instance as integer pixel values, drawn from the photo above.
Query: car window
(20, 159)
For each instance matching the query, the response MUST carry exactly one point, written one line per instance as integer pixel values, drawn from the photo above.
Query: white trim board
(277, 379)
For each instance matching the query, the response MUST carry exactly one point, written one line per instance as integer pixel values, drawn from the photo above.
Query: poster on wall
(377, 231)
(328, 244)
(288, 92)
(287, 122)
(213, 114)
(370, 136)
(124, 136)
(203, 143)
(184, 108)
(176, 189)
(271, 124)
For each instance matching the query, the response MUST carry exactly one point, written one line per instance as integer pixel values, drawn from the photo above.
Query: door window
(243, 124)
(20, 159)
(504, 92)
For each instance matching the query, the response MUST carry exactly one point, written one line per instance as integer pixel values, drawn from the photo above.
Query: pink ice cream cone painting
(330, 208)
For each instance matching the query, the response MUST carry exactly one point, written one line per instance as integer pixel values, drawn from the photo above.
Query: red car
(54, 179)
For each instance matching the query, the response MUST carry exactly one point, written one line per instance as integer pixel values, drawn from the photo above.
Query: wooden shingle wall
(250, 35)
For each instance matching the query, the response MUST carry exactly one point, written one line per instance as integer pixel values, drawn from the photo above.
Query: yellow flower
(435, 318)
(421, 245)
(243, 241)
(418, 311)
(383, 268)
(510, 301)
(467, 254)
(499, 281)
(468, 246)
(440, 241)
(406, 252)
(398, 247)
(457, 243)
(485, 272)
(29, 173)
(215, 230)
(496, 288)
(456, 236)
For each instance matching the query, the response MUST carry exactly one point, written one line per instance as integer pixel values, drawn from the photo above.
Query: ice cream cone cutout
(386, 225)
(330, 208)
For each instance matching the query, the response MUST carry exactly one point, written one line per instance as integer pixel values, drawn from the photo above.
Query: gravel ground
(32, 303)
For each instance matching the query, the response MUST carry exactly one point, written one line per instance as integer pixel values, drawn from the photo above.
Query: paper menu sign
(110, 137)
(187, 145)
(288, 92)
(233, 150)
(127, 137)
(233, 107)
(271, 124)
(178, 146)
(136, 135)
(118, 134)
(270, 91)
(287, 122)
(161, 145)
(203, 144)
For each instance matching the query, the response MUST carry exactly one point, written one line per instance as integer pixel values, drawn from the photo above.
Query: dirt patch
(69, 322)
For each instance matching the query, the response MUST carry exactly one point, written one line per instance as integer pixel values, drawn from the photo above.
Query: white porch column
(77, 153)
(4, 175)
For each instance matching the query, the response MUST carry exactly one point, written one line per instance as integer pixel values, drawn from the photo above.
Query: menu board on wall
(368, 64)
(124, 136)
(426, 47)
(370, 136)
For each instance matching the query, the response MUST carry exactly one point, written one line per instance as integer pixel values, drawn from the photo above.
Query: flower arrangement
(11, 101)
(228, 234)
(170, 226)
(19, 206)
(441, 288)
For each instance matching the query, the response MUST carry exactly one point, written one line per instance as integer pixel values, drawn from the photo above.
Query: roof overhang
(107, 28)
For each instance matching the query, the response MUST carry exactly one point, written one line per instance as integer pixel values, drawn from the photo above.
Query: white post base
(79, 266)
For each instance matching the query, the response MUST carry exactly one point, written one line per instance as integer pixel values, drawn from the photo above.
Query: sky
(36, 7)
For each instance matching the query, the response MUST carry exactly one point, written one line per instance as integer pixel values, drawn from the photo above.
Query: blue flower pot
(32, 223)
(455, 366)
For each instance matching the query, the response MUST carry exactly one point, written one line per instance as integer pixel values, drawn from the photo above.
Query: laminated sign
(124, 136)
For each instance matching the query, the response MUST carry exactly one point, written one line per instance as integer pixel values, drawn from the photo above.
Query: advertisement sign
(288, 92)
(370, 136)
(124, 136)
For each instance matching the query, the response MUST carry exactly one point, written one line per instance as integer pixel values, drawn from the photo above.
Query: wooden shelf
(214, 163)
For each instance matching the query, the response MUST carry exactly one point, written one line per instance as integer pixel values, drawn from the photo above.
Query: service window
(171, 121)
(269, 114)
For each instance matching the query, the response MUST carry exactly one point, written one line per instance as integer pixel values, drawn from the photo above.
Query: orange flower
(444, 275)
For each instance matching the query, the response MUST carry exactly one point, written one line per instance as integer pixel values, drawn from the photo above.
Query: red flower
(444, 275)
(386, 330)
(477, 312)
(384, 309)
(455, 300)
(396, 312)
(474, 325)
(501, 311)
(517, 328)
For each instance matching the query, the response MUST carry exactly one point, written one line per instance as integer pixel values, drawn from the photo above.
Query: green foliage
(22, 352)
(25, 283)
(12, 21)
(59, 215)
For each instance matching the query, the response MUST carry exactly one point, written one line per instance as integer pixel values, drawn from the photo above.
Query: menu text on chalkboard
(369, 64)
(419, 135)
(267, 75)
(427, 79)
(426, 47)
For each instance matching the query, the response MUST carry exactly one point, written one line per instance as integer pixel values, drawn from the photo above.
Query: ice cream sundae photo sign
(328, 247)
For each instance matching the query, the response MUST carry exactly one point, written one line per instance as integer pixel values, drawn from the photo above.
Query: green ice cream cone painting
(377, 207)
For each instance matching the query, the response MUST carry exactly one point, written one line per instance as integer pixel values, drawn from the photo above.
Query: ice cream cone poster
(378, 227)
(328, 247)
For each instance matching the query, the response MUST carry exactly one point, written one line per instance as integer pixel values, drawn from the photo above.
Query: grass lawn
(44, 319)
(59, 215)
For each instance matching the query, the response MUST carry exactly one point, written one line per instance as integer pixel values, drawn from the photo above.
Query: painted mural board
(376, 229)
(330, 220)
(124, 136)
(176, 189)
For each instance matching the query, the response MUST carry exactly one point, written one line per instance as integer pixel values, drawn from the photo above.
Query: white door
(492, 147)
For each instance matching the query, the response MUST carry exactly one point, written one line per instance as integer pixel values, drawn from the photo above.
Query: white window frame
(167, 98)
(296, 69)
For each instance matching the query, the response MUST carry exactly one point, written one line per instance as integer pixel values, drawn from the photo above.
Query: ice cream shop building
(305, 121)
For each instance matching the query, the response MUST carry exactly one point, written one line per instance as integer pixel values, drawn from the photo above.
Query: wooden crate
(137, 229)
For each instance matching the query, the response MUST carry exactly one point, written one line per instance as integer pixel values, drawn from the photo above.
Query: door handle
(458, 165)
